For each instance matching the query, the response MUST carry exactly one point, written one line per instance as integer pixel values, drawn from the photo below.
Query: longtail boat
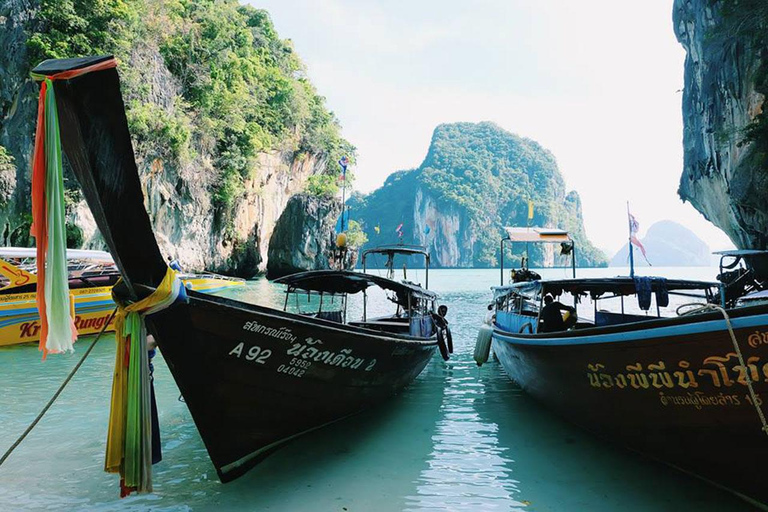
(91, 277)
(253, 377)
(648, 363)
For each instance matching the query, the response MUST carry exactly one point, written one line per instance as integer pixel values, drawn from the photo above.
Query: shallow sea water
(460, 438)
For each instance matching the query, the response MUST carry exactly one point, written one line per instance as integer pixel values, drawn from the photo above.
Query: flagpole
(343, 164)
(343, 201)
(631, 249)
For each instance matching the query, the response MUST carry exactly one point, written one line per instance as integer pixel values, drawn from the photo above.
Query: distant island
(668, 244)
(476, 179)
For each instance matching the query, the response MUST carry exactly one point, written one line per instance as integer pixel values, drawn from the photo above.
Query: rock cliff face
(180, 192)
(180, 207)
(668, 244)
(18, 107)
(475, 179)
(304, 236)
(453, 244)
(725, 173)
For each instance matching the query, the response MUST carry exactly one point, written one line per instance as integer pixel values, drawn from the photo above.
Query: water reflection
(467, 468)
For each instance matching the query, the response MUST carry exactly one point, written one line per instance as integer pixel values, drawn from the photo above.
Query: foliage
(73, 28)
(356, 237)
(242, 89)
(478, 178)
(74, 235)
(250, 86)
(20, 236)
(6, 160)
(322, 185)
(7, 176)
(153, 126)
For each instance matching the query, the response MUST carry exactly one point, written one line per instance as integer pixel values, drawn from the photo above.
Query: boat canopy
(552, 235)
(398, 249)
(72, 254)
(346, 281)
(391, 250)
(597, 287)
(742, 252)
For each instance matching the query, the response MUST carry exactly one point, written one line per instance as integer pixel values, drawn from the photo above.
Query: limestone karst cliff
(475, 179)
(304, 236)
(225, 124)
(725, 138)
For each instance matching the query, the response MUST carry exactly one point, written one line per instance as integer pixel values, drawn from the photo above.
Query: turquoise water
(460, 438)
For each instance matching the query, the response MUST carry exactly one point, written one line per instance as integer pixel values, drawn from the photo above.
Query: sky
(597, 82)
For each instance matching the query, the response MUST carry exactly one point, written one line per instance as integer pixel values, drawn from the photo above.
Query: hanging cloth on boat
(643, 289)
(662, 294)
(129, 438)
(58, 332)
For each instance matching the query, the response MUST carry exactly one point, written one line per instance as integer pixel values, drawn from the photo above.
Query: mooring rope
(58, 391)
(739, 355)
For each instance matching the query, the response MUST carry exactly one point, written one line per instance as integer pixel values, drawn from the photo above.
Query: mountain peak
(668, 244)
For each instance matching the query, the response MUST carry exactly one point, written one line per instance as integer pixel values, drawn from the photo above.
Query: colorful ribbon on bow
(129, 439)
(58, 331)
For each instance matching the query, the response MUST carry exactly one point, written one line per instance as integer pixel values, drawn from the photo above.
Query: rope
(58, 392)
(752, 394)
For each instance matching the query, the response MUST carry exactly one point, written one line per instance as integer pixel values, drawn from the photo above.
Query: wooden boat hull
(254, 377)
(669, 389)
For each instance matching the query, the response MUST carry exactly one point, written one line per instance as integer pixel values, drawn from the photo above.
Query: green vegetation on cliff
(238, 88)
(476, 179)
(7, 176)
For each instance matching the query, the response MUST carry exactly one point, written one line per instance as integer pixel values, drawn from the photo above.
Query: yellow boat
(91, 279)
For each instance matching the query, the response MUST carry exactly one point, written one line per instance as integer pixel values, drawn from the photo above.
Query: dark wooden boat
(669, 385)
(253, 377)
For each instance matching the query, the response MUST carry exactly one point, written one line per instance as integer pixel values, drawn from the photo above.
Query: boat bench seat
(331, 316)
(610, 318)
(383, 325)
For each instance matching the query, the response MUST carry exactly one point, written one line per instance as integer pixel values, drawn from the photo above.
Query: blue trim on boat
(17, 312)
(18, 320)
(639, 334)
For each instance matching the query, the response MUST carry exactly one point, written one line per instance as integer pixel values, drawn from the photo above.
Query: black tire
(442, 345)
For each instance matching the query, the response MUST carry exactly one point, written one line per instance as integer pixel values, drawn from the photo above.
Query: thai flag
(343, 162)
(634, 227)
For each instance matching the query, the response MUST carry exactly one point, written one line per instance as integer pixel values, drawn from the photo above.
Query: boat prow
(253, 377)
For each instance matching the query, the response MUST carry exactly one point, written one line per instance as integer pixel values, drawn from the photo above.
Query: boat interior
(601, 302)
(325, 295)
